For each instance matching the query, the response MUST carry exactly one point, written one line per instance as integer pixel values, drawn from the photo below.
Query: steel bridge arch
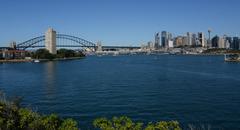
(32, 43)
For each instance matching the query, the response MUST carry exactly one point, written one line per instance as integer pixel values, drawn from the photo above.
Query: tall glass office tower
(164, 38)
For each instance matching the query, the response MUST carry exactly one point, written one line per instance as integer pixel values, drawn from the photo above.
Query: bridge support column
(99, 46)
(50, 41)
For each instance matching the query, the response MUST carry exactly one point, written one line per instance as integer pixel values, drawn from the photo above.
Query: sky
(116, 22)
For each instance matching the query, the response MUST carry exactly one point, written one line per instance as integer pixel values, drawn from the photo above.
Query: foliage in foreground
(125, 123)
(12, 117)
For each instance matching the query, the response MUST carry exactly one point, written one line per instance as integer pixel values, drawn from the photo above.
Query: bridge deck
(121, 47)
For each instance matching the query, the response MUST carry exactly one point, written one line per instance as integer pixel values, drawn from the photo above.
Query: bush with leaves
(164, 125)
(121, 123)
(68, 124)
(43, 54)
(13, 117)
(125, 123)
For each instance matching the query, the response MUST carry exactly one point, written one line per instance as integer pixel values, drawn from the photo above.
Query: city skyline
(117, 22)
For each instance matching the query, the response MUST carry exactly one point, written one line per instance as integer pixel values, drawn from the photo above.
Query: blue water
(191, 89)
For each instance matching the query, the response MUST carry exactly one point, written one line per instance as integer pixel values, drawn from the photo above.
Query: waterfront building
(157, 41)
(229, 41)
(178, 41)
(169, 36)
(194, 39)
(164, 38)
(215, 41)
(201, 39)
(189, 39)
(198, 43)
(209, 43)
(170, 44)
(236, 42)
(50, 41)
(185, 41)
(227, 44)
(221, 43)
(11, 53)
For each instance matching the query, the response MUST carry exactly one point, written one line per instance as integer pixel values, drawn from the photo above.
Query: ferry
(232, 57)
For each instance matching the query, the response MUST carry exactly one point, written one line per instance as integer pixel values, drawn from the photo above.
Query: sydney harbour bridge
(52, 40)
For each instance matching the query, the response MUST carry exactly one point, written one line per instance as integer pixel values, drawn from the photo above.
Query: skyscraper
(185, 40)
(169, 36)
(194, 39)
(215, 41)
(189, 39)
(201, 39)
(164, 39)
(157, 41)
(221, 43)
(235, 43)
(169, 39)
(229, 42)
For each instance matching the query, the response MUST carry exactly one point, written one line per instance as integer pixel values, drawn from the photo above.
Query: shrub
(68, 124)
(125, 123)
(13, 117)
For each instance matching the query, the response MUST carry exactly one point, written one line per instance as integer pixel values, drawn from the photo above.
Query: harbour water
(202, 90)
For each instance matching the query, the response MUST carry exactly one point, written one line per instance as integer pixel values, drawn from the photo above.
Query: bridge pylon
(50, 41)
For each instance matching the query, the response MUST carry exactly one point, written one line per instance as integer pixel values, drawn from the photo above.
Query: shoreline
(15, 61)
(75, 58)
(41, 60)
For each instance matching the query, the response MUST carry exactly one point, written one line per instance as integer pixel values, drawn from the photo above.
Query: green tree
(62, 53)
(125, 123)
(26, 117)
(117, 123)
(9, 118)
(51, 122)
(103, 124)
(43, 54)
(14, 117)
(164, 125)
(68, 124)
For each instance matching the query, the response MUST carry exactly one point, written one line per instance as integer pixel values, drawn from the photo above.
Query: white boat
(36, 61)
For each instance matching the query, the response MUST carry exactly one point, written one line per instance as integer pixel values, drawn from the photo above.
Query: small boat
(36, 61)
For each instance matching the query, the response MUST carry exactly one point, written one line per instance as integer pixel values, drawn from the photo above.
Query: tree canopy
(61, 53)
(125, 123)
